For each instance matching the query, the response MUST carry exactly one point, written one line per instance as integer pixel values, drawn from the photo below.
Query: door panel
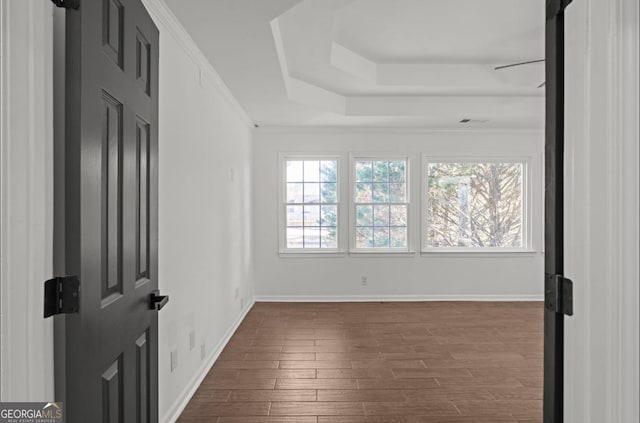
(142, 202)
(554, 211)
(112, 411)
(143, 381)
(112, 30)
(112, 196)
(111, 345)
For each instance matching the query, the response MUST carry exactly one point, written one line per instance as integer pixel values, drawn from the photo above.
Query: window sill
(385, 253)
(311, 254)
(479, 253)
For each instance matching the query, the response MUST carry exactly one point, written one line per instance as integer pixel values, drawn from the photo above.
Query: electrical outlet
(236, 293)
(242, 303)
(203, 351)
(232, 174)
(192, 340)
(363, 280)
(174, 359)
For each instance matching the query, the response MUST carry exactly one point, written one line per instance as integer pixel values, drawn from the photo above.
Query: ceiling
(407, 63)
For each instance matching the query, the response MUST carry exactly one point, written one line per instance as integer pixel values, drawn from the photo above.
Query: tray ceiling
(408, 63)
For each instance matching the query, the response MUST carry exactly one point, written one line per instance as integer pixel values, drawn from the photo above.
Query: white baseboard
(184, 398)
(391, 298)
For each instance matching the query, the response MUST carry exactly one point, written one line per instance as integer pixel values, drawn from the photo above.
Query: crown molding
(162, 14)
(334, 129)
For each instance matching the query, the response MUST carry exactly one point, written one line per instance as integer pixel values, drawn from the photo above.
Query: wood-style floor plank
(423, 362)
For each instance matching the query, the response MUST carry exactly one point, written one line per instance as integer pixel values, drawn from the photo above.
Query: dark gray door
(558, 301)
(111, 220)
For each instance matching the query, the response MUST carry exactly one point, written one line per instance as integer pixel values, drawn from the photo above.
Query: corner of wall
(205, 175)
(190, 388)
(164, 17)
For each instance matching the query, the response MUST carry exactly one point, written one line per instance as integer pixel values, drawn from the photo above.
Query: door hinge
(61, 295)
(67, 4)
(558, 294)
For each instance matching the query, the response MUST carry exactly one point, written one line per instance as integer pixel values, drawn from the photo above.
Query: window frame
(355, 251)
(283, 249)
(526, 205)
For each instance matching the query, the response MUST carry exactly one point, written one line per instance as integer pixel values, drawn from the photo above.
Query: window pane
(329, 237)
(380, 192)
(398, 215)
(329, 216)
(364, 237)
(363, 193)
(329, 171)
(312, 237)
(381, 204)
(381, 237)
(294, 171)
(311, 171)
(380, 171)
(294, 193)
(475, 205)
(364, 172)
(312, 185)
(364, 215)
(312, 193)
(398, 237)
(397, 171)
(295, 238)
(397, 193)
(328, 192)
(381, 215)
(311, 215)
(294, 216)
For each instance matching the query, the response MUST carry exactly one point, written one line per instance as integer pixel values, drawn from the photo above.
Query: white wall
(601, 211)
(504, 276)
(205, 212)
(26, 215)
(205, 251)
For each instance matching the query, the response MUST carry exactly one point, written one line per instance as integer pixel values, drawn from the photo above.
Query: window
(311, 204)
(381, 203)
(475, 205)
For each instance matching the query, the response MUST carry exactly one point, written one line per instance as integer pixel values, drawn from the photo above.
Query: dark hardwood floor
(444, 362)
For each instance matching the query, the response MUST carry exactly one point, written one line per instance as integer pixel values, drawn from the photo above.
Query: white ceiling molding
(418, 63)
(351, 62)
(327, 129)
(308, 27)
(461, 75)
(453, 107)
(451, 75)
(163, 16)
(301, 91)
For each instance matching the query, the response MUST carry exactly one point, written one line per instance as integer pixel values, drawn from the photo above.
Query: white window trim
(527, 235)
(283, 250)
(379, 252)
